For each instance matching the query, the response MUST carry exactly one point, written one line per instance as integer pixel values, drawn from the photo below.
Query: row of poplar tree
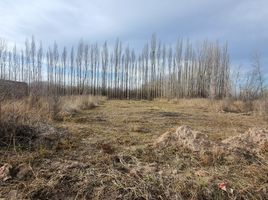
(157, 71)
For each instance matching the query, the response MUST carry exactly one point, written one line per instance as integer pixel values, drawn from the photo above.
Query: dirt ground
(110, 154)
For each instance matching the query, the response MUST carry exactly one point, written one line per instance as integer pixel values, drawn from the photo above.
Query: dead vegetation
(28, 123)
(254, 140)
(118, 151)
(75, 104)
(186, 137)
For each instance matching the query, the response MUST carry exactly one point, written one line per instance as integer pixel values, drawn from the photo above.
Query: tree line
(120, 72)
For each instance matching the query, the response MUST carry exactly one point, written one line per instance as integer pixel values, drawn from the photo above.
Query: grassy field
(110, 154)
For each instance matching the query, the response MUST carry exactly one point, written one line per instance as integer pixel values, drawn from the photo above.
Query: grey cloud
(243, 23)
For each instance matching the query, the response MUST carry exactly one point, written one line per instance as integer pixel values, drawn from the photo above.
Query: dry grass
(22, 120)
(31, 109)
(257, 107)
(261, 106)
(111, 155)
(74, 104)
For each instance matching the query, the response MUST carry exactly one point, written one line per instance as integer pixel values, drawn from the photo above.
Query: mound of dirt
(255, 139)
(185, 136)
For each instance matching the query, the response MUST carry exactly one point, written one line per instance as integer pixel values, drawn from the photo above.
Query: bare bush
(73, 104)
(261, 106)
(27, 126)
(55, 107)
(236, 106)
(253, 87)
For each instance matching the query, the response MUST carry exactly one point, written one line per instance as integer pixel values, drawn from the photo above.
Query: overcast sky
(243, 23)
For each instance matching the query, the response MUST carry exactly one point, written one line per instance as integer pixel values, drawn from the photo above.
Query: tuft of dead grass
(242, 146)
(261, 106)
(184, 136)
(256, 107)
(235, 106)
(75, 104)
(255, 140)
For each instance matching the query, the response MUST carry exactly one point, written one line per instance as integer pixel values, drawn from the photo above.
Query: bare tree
(254, 83)
(183, 71)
